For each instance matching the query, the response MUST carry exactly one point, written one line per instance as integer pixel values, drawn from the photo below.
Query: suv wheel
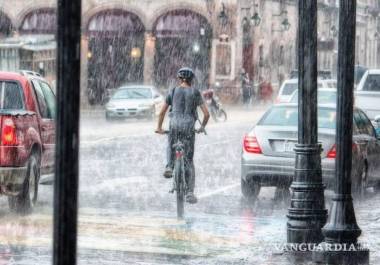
(24, 202)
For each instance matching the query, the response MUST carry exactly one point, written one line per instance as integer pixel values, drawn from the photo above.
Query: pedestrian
(246, 88)
(266, 91)
(183, 101)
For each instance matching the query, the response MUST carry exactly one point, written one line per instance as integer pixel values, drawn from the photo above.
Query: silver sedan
(268, 158)
(134, 101)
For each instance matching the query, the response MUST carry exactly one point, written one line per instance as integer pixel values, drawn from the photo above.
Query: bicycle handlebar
(196, 131)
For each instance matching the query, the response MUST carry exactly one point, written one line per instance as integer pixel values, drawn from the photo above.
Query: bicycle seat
(178, 145)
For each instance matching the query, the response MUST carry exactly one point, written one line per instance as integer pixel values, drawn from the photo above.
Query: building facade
(145, 41)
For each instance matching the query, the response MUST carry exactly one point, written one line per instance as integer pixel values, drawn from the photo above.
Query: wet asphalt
(127, 215)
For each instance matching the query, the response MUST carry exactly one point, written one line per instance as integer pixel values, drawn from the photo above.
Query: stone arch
(6, 25)
(183, 38)
(198, 9)
(89, 14)
(115, 39)
(40, 20)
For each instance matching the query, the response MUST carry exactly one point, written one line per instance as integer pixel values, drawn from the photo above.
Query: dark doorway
(5, 25)
(115, 52)
(248, 48)
(183, 39)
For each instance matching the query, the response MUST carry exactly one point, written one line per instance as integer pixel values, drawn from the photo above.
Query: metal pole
(67, 143)
(307, 213)
(341, 229)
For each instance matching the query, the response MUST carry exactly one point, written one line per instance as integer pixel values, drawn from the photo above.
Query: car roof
(373, 71)
(19, 76)
(136, 86)
(324, 105)
(295, 80)
(29, 72)
(327, 89)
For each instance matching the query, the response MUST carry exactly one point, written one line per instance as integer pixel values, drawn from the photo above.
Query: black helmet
(186, 74)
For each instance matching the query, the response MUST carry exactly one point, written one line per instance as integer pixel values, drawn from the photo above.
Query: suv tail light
(8, 132)
(251, 144)
(332, 152)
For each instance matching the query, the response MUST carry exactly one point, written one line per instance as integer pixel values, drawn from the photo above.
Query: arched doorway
(183, 38)
(115, 52)
(40, 21)
(5, 25)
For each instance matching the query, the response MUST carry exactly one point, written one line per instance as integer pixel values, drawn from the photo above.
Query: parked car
(322, 74)
(134, 101)
(367, 94)
(268, 158)
(325, 96)
(27, 147)
(289, 86)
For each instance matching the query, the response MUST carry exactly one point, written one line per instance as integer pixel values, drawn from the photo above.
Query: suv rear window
(372, 83)
(11, 96)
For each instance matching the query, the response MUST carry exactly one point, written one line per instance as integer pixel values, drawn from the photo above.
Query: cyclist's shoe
(190, 198)
(168, 172)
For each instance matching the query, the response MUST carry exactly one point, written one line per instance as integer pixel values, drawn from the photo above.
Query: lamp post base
(341, 254)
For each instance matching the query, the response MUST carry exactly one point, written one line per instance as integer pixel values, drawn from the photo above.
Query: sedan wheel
(360, 185)
(250, 189)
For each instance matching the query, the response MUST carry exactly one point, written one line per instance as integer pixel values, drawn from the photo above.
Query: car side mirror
(377, 132)
(377, 121)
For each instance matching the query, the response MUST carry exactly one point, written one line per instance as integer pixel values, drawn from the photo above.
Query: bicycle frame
(179, 180)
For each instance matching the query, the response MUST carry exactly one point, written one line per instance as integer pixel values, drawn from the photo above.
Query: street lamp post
(67, 133)
(307, 213)
(341, 231)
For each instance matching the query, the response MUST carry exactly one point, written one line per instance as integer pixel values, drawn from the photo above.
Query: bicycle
(179, 179)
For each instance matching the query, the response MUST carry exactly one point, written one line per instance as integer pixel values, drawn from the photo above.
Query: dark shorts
(187, 137)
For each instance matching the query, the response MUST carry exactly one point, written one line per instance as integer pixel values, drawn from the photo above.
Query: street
(127, 215)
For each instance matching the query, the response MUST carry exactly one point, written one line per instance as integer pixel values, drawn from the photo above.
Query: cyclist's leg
(189, 167)
(170, 153)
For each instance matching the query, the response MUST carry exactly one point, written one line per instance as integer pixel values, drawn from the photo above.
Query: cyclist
(183, 101)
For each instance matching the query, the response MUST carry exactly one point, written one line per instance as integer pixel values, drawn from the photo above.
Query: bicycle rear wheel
(180, 188)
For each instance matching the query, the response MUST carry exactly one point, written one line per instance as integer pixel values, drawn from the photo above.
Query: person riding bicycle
(183, 101)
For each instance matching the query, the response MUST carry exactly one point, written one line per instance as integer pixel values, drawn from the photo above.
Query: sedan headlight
(110, 106)
(145, 105)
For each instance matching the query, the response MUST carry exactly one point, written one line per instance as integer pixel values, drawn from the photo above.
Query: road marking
(214, 192)
(138, 234)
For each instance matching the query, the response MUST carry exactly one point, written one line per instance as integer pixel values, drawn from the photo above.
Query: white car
(325, 96)
(367, 94)
(134, 101)
(289, 86)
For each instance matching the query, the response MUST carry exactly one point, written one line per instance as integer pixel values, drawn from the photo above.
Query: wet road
(127, 215)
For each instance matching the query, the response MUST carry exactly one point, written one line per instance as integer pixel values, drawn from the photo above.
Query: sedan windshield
(372, 83)
(289, 88)
(133, 93)
(288, 116)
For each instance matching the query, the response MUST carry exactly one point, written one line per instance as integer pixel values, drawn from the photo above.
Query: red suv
(27, 139)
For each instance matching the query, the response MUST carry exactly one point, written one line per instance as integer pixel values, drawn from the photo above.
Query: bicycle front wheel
(179, 170)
